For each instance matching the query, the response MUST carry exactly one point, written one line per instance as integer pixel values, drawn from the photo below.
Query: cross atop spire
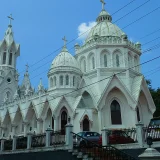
(103, 4)
(65, 41)
(27, 66)
(10, 20)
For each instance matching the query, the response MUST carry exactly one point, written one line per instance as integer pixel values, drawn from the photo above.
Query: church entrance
(63, 121)
(85, 124)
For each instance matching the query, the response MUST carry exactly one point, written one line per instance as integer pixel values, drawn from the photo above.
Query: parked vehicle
(83, 138)
(153, 129)
(117, 137)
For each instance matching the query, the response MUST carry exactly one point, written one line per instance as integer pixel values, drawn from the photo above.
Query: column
(25, 128)
(14, 143)
(69, 136)
(7, 58)
(105, 138)
(140, 133)
(29, 140)
(39, 125)
(2, 144)
(55, 124)
(13, 129)
(100, 120)
(48, 136)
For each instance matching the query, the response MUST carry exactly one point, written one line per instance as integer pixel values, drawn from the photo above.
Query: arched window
(55, 81)
(10, 59)
(115, 113)
(84, 65)
(93, 63)
(117, 60)
(63, 121)
(73, 80)
(67, 80)
(138, 115)
(51, 82)
(4, 58)
(105, 60)
(61, 80)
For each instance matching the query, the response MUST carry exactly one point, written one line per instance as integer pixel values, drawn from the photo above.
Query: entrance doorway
(85, 124)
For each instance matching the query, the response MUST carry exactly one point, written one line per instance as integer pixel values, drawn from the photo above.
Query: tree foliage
(156, 97)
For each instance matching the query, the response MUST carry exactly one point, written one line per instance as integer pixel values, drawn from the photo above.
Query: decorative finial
(65, 41)
(10, 20)
(103, 4)
(27, 67)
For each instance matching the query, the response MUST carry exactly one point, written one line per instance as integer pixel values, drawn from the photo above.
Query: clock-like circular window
(8, 80)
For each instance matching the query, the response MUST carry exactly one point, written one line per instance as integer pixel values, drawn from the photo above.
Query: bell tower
(9, 51)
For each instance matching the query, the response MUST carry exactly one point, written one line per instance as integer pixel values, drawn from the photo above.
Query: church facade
(101, 85)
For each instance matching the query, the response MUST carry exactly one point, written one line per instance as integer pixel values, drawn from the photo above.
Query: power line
(115, 32)
(89, 30)
(101, 79)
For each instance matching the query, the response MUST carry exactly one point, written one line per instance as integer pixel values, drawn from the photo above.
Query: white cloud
(84, 28)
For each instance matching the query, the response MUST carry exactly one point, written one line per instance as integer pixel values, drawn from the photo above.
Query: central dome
(104, 27)
(64, 59)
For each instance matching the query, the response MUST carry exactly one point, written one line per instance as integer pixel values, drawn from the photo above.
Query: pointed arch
(18, 121)
(118, 58)
(91, 61)
(105, 58)
(63, 118)
(86, 125)
(7, 124)
(115, 113)
(86, 101)
(48, 119)
(82, 61)
(85, 121)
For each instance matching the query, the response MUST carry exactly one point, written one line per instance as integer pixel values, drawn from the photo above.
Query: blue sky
(39, 26)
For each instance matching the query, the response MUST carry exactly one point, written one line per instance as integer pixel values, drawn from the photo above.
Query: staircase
(92, 151)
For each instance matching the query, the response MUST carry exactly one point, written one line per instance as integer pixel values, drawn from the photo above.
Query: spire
(64, 49)
(40, 86)
(9, 33)
(104, 15)
(26, 80)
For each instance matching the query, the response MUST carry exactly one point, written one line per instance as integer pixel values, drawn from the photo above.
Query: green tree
(156, 97)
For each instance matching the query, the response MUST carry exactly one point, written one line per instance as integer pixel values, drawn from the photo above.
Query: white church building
(101, 85)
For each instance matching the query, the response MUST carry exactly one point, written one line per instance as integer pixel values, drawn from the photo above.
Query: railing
(8, 145)
(131, 133)
(38, 140)
(57, 138)
(21, 143)
(152, 131)
(93, 150)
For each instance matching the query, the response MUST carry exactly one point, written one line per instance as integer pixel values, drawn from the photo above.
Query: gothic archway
(116, 113)
(86, 124)
(63, 120)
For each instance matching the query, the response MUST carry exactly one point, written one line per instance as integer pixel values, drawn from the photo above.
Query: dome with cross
(64, 59)
(104, 26)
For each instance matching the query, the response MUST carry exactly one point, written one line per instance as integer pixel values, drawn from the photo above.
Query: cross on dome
(65, 41)
(10, 20)
(103, 4)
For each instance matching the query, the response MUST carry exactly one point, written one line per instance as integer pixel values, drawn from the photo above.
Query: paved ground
(136, 152)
